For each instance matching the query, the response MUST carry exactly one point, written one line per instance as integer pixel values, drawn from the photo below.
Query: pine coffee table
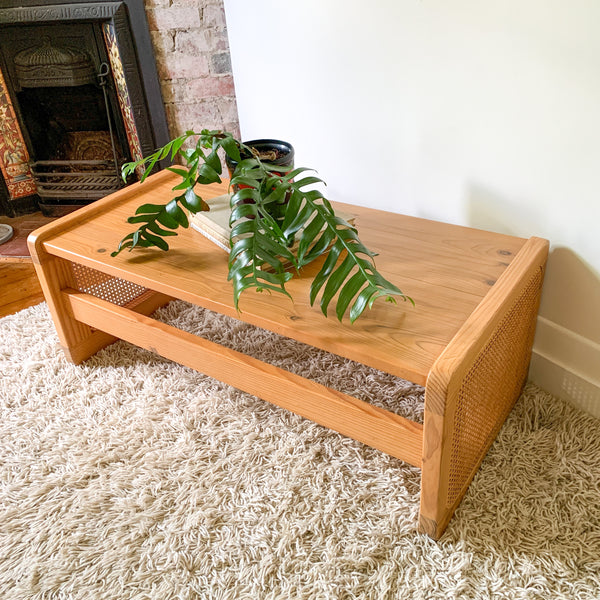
(468, 339)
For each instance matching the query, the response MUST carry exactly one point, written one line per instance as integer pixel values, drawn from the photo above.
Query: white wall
(480, 113)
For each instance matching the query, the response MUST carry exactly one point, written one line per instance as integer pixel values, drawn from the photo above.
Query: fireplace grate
(75, 179)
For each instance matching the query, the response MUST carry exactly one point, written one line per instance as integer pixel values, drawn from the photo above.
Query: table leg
(78, 340)
(474, 384)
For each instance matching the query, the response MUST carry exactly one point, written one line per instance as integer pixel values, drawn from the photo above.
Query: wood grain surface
(465, 282)
(364, 422)
(493, 347)
(446, 269)
(19, 286)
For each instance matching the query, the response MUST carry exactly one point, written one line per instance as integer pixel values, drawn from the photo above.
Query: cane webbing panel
(106, 287)
(497, 375)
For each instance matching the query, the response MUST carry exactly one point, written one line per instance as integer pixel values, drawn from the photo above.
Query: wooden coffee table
(468, 339)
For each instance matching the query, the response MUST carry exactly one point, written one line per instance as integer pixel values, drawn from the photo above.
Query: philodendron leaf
(155, 240)
(244, 180)
(213, 161)
(231, 148)
(178, 171)
(323, 274)
(355, 281)
(174, 210)
(156, 228)
(151, 233)
(347, 293)
(152, 209)
(140, 218)
(164, 218)
(270, 210)
(193, 202)
(335, 281)
(256, 260)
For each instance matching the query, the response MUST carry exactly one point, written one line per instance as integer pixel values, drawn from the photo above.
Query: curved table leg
(474, 384)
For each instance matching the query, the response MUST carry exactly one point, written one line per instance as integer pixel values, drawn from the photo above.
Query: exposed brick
(190, 3)
(192, 54)
(227, 109)
(149, 4)
(217, 40)
(220, 63)
(192, 42)
(183, 66)
(210, 87)
(161, 19)
(196, 116)
(233, 127)
(163, 42)
(213, 15)
(174, 90)
(152, 26)
(182, 117)
(172, 115)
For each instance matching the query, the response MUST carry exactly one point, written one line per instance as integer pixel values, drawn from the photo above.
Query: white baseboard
(567, 365)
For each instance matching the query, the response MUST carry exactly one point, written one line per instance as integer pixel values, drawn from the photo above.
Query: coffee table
(468, 339)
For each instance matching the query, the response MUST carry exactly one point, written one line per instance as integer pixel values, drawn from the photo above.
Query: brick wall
(194, 67)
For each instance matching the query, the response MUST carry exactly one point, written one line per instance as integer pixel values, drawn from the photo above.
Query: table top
(447, 270)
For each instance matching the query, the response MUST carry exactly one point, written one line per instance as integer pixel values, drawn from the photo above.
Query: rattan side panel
(106, 287)
(499, 371)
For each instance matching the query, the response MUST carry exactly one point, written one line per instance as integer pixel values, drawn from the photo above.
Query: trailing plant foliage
(277, 221)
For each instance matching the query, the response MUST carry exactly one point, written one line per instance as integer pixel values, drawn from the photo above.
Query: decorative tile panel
(122, 91)
(14, 158)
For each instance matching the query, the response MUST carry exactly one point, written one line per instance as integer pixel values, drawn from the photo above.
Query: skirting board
(567, 365)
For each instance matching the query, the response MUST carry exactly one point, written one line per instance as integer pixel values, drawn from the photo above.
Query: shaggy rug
(131, 477)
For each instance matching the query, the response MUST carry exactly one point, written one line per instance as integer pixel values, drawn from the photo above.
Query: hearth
(80, 97)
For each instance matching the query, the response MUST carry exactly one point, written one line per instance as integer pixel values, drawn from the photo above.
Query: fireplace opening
(52, 115)
(79, 96)
(66, 110)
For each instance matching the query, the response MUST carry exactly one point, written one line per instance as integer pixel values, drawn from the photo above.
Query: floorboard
(19, 286)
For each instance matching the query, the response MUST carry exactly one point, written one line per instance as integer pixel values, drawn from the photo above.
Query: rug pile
(131, 477)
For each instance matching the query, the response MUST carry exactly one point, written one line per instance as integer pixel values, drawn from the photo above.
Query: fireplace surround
(79, 94)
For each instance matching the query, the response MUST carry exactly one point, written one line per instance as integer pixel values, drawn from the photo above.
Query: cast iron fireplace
(80, 97)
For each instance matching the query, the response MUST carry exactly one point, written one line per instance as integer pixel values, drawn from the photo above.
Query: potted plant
(279, 155)
(271, 207)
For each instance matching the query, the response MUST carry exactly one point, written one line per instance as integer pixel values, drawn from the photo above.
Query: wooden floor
(19, 286)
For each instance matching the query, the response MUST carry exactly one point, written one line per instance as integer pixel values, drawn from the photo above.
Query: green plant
(268, 211)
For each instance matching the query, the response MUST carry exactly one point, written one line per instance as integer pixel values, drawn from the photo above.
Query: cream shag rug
(133, 477)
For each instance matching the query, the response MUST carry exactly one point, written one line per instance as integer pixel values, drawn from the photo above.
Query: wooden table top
(446, 269)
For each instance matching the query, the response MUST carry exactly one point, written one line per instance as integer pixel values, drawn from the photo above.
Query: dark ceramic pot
(283, 154)
(272, 152)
